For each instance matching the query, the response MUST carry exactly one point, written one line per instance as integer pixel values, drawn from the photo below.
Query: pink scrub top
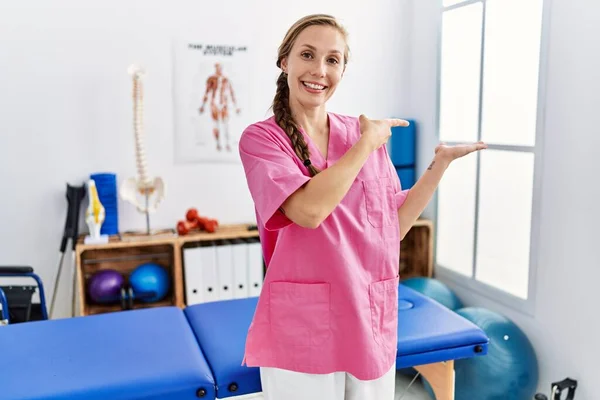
(329, 300)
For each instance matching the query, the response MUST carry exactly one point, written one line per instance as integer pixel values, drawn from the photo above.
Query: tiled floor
(414, 392)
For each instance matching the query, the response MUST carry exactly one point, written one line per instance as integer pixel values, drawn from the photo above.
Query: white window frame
(526, 306)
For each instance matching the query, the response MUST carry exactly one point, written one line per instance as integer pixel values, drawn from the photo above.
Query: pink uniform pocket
(380, 202)
(299, 312)
(383, 297)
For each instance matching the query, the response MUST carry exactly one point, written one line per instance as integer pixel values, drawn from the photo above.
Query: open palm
(452, 152)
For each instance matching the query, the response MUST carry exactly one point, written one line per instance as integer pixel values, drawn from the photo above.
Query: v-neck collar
(336, 143)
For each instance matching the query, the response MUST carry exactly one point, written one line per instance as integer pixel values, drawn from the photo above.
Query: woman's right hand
(376, 132)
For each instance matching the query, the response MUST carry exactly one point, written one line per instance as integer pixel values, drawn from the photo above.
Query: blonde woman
(331, 214)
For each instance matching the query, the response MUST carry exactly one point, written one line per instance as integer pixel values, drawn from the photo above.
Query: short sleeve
(401, 197)
(271, 173)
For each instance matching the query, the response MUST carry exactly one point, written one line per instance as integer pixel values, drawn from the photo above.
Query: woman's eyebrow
(315, 49)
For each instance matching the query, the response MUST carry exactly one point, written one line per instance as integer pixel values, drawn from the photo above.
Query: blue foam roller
(106, 186)
(402, 146)
(407, 176)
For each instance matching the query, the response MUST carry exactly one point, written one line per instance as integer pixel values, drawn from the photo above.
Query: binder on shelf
(222, 270)
(210, 277)
(192, 275)
(239, 253)
(201, 279)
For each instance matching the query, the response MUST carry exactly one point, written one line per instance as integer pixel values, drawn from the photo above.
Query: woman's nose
(319, 69)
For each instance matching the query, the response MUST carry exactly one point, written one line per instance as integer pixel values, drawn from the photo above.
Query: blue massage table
(168, 353)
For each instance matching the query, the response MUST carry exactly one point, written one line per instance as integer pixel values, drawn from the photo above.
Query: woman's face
(315, 65)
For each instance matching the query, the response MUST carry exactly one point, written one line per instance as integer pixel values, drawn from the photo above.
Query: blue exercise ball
(434, 289)
(509, 371)
(150, 282)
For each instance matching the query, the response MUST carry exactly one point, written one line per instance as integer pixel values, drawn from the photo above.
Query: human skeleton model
(143, 184)
(220, 91)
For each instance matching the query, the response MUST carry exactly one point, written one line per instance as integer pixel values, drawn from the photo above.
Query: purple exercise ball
(105, 286)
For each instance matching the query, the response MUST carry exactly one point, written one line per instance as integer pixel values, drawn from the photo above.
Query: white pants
(279, 384)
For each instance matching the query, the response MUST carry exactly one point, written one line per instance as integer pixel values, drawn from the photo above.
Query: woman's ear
(284, 65)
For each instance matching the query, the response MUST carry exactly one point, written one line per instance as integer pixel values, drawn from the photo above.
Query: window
(489, 90)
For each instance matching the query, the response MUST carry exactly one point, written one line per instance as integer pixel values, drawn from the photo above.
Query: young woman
(331, 214)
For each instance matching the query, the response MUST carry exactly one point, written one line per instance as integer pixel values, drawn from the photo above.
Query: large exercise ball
(435, 290)
(105, 285)
(509, 371)
(150, 282)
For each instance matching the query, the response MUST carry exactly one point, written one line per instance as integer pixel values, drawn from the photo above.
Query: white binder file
(239, 253)
(210, 278)
(192, 267)
(225, 270)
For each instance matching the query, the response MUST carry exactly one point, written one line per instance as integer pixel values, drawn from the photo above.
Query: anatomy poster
(210, 93)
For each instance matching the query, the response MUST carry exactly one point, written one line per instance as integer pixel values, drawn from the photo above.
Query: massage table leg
(440, 377)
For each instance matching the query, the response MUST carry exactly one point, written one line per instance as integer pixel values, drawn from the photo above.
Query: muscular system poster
(210, 95)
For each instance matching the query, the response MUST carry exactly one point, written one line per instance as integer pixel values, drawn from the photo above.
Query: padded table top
(429, 332)
(150, 353)
(154, 353)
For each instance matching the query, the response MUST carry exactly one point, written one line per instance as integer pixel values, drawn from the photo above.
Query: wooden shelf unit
(125, 253)
(416, 251)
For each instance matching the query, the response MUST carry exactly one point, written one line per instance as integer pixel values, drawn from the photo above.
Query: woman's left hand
(451, 153)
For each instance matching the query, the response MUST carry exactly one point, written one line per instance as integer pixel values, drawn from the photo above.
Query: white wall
(65, 112)
(65, 105)
(566, 326)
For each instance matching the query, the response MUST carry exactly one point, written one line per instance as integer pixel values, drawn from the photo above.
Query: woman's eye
(333, 60)
(306, 55)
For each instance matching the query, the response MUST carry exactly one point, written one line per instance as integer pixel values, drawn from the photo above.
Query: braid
(283, 117)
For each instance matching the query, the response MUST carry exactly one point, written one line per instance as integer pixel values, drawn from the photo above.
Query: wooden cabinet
(416, 251)
(124, 254)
